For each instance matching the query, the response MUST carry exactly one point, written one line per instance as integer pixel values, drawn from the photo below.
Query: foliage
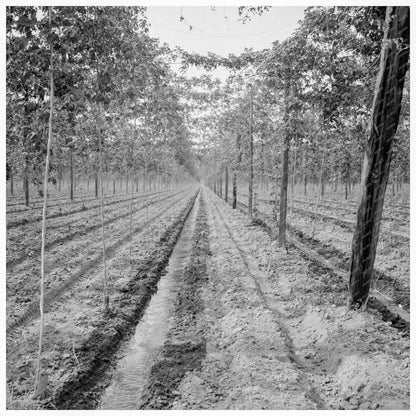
(105, 63)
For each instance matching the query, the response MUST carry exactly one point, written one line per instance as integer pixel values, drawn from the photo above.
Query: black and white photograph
(207, 207)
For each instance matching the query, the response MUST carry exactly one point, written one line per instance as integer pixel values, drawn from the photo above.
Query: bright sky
(219, 31)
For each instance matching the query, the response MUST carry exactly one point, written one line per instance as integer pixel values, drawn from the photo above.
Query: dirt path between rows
(250, 362)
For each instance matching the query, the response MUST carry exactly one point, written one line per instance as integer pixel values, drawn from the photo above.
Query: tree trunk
(322, 173)
(11, 181)
(145, 179)
(221, 185)
(226, 184)
(239, 157)
(96, 183)
(276, 195)
(293, 184)
(234, 190)
(283, 193)
(383, 124)
(26, 181)
(147, 202)
(71, 165)
(285, 174)
(250, 158)
(320, 187)
(346, 188)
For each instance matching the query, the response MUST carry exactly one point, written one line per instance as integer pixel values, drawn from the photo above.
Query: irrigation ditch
(185, 347)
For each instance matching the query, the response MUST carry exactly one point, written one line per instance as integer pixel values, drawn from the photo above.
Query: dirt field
(253, 326)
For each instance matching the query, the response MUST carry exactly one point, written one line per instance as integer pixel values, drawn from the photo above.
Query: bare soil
(255, 326)
(333, 238)
(279, 335)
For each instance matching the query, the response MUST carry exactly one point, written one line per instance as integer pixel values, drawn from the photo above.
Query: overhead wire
(220, 36)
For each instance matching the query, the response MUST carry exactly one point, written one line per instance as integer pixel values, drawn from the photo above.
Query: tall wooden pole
(394, 61)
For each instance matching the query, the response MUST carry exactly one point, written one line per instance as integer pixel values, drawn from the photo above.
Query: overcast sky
(219, 30)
